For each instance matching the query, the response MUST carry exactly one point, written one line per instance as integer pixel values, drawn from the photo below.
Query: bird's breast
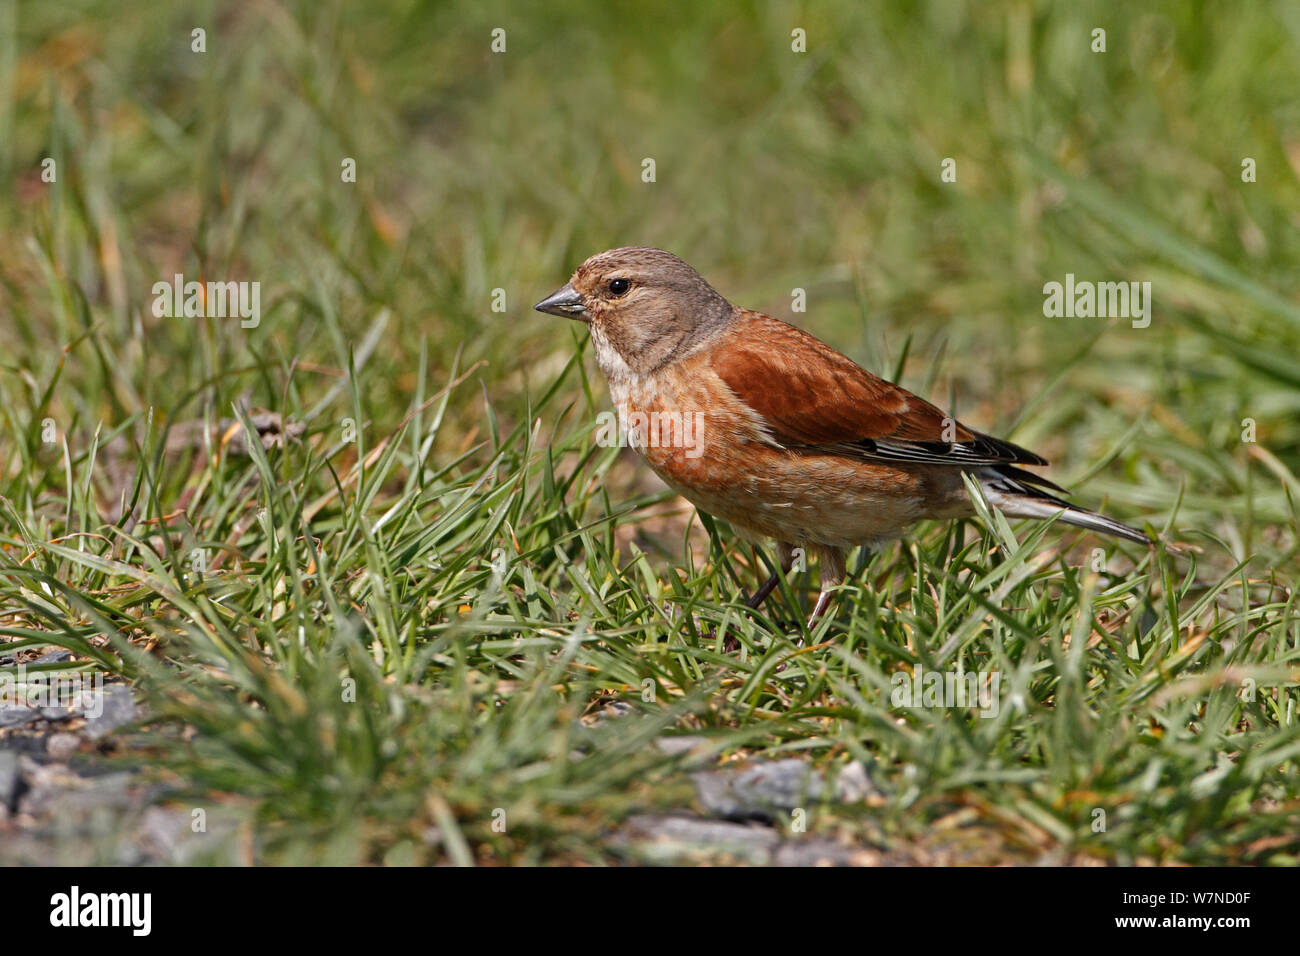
(687, 425)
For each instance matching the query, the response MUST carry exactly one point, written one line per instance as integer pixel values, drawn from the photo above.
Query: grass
(376, 640)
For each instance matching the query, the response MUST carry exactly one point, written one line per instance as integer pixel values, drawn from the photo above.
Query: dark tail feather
(1011, 491)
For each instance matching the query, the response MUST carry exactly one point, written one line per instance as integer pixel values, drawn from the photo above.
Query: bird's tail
(1018, 494)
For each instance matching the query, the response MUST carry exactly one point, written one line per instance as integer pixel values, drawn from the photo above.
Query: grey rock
(162, 831)
(54, 657)
(118, 708)
(820, 851)
(9, 780)
(167, 835)
(761, 790)
(61, 746)
(13, 716)
(853, 784)
(668, 837)
(679, 745)
(109, 792)
(682, 838)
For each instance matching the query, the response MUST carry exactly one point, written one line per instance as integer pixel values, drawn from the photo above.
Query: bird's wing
(811, 397)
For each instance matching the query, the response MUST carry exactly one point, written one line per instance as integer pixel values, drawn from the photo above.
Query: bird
(763, 425)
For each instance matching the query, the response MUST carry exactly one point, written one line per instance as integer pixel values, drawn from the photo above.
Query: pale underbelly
(816, 499)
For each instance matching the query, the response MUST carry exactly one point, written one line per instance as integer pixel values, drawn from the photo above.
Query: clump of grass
(398, 655)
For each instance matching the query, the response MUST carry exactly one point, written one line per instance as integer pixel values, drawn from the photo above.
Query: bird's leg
(832, 567)
(785, 557)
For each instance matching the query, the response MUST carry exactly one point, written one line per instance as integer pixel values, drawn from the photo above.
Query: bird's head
(646, 305)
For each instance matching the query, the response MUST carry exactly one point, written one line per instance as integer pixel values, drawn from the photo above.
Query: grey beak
(566, 303)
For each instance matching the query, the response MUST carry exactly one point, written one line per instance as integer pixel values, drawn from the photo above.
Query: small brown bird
(763, 425)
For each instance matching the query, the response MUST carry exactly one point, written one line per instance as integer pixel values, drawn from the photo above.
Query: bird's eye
(619, 286)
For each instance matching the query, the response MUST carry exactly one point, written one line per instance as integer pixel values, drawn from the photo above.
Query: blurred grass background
(774, 170)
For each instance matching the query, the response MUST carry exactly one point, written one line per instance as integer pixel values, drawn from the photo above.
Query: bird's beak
(566, 303)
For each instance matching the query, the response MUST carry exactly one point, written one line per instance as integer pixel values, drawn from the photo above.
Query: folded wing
(813, 398)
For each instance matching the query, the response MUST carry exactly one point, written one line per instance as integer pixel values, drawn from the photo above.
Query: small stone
(109, 792)
(62, 746)
(54, 657)
(13, 716)
(9, 780)
(117, 709)
(853, 785)
(163, 830)
(668, 837)
(820, 851)
(761, 789)
(672, 746)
